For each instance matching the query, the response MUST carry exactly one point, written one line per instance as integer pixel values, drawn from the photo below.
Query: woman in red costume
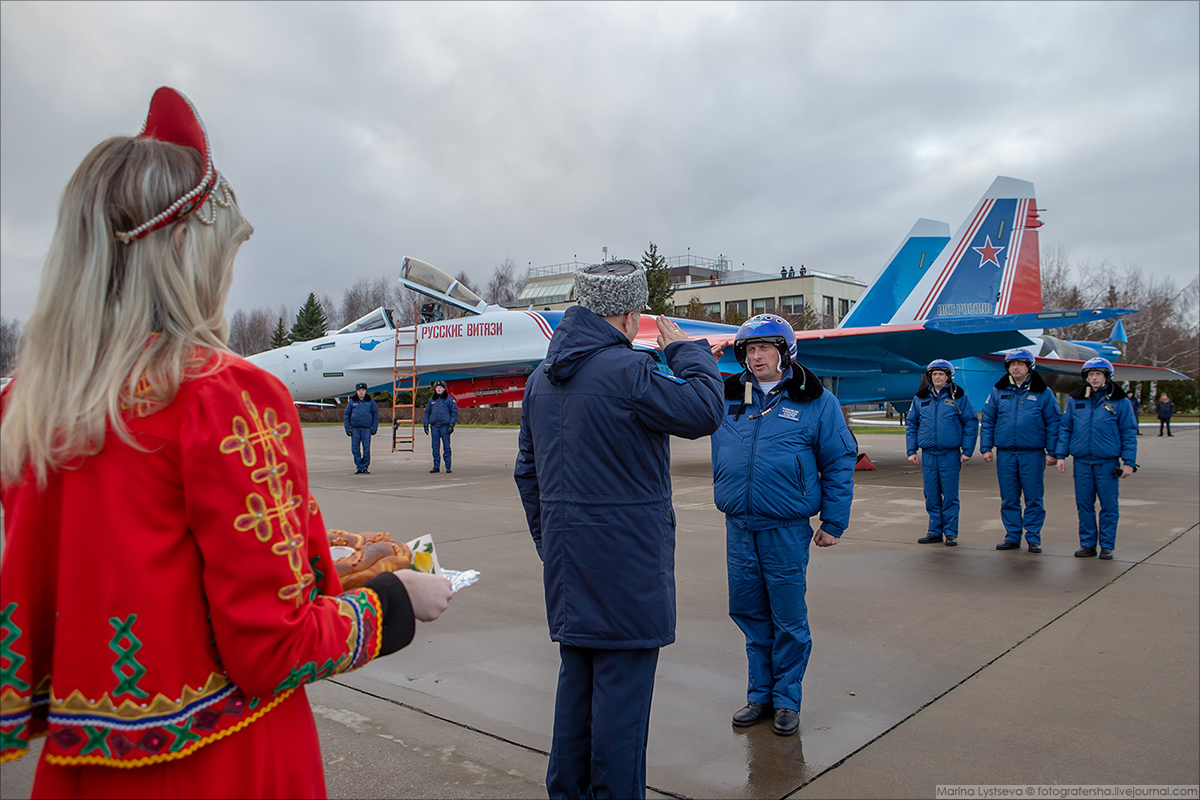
(166, 589)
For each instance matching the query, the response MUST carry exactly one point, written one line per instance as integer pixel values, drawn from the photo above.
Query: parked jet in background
(944, 302)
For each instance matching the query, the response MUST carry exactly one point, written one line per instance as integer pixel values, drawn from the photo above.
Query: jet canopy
(424, 278)
(378, 319)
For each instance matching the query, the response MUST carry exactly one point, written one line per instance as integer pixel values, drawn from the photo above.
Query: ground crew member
(362, 421)
(1165, 409)
(442, 413)
(942, 423)
(1020, 419)
(593, 471)
(1098, 429)
(782, 455)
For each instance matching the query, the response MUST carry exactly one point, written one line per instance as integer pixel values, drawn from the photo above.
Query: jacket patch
(789, 414)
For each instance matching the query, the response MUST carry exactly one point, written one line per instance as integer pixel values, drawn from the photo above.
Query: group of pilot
(1021, 423)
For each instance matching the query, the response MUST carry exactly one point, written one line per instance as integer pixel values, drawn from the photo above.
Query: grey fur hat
(614, 287)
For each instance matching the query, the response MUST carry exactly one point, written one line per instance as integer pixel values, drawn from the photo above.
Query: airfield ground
(931, 665)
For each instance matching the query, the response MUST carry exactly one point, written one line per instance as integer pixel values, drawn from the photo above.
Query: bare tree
(505, 285)
(250, 333)
(332, 313)
(365, 296)
(10, 336)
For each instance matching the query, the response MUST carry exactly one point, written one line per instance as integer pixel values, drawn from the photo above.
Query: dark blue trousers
(1094, 480)
(940, 470)
(1022, 472)
(360, 446)
(440, 434)
(767, 582)
(601, 723)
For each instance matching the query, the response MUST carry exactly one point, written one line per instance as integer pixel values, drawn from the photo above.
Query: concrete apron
(931, 665)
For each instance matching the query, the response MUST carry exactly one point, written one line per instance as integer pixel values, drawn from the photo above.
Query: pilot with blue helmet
(1020, 420)
(942, 424)
(782, 455)
(1099, 430)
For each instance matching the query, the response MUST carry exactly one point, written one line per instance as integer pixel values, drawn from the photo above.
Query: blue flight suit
(1021, 422)
(944, 426)
(361, 421)
(778, 461)
(441, 414)
(1099, 430)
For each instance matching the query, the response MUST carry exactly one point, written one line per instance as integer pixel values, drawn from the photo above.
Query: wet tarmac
(931, 665)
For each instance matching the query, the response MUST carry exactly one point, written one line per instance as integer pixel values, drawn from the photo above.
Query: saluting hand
(669, 332)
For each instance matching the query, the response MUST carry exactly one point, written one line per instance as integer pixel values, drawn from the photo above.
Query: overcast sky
(467, 133)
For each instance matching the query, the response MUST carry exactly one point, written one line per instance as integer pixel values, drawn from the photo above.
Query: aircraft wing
(1121, 372)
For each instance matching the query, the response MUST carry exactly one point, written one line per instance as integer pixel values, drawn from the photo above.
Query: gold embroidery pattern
(263, 512)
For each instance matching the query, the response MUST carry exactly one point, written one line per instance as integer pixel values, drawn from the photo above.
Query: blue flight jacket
(942, 420)
(1098, 426)
(786, 456)
(361, 414)
(593, 472)
(1020, 417)
(441, 410)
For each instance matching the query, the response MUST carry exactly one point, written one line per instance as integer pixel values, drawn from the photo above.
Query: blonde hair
(108, 314)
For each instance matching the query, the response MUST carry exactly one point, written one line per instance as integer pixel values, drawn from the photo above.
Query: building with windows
(724, 294)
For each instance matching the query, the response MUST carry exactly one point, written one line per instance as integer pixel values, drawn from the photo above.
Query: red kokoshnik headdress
(173, 118)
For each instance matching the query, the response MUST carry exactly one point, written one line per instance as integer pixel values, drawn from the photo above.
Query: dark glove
(347, 433)
(426, 430)
(374, 431)
(452, 429)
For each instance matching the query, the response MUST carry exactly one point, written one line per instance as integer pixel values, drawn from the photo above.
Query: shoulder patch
(671, 378)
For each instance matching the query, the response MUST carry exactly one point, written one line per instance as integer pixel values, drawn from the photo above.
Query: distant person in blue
(362, 421)
(782, 455)
(1020, 419)
(943, 425)
(1099, 431)
(441, 413)
(1165, 409)
(593, 471)
(1137, 405)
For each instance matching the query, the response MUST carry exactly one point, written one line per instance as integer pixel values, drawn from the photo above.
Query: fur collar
(1036, 384)
(802, 387)
(1114, 392)
(956, 391)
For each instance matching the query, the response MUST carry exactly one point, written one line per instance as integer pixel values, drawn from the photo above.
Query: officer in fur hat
(593, 470)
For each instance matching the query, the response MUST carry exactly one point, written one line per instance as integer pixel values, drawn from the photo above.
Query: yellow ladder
(404, 380)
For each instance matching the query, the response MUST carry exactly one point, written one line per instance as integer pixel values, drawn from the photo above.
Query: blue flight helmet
(766, 328)
(1021, 355)
(1102, 364)
(942, 364)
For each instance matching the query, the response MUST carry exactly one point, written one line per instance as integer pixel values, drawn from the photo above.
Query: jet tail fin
(900, 275)
(991, 265)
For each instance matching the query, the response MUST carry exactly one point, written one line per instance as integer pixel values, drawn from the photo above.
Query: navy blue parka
(593, 471)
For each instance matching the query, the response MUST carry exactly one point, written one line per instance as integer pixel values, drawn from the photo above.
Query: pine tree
(658, 279)
(280, 338)
(310, 321)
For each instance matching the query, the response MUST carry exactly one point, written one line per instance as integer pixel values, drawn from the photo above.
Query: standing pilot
(782, 455)
(442, 413)
(1020, 419)
(362, 421)
(942, 423)
(1099, 430)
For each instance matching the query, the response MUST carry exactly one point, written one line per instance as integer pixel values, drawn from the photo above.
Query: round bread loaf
(374, 554)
